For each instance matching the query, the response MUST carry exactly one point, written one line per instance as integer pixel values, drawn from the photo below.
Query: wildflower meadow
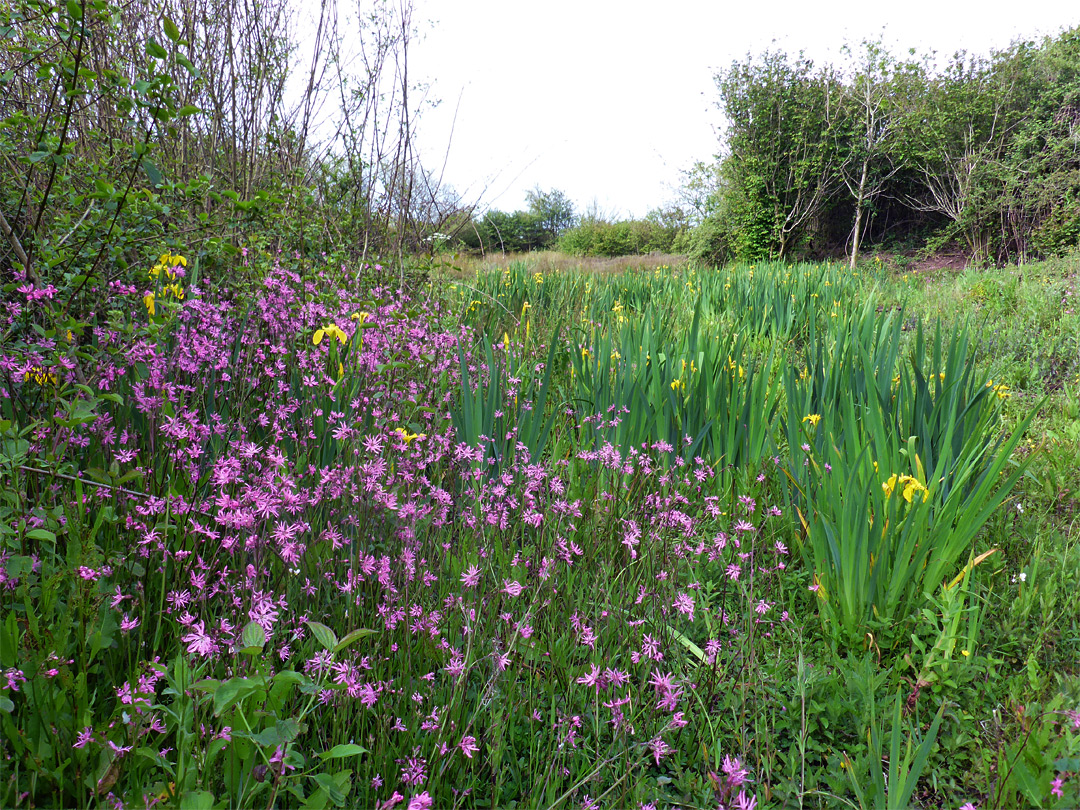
(758, 536)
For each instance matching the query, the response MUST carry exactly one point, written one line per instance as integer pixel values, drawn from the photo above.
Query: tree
(698, 190)
(983, 151)
(517, 232)
(1037, 182)
(553, 210)
(869, 123)
(958, 126)
(781, 149)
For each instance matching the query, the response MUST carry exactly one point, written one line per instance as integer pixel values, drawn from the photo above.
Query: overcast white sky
(608, 100)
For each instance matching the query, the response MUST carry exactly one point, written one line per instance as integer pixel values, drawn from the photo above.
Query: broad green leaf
(1028, 782)
(328, 783)
(153, 174)
(323, 634)
(343, 750)
(253, 636)
(171, 31)
(352, 637)
(209, 685)
(197, 800)
(235, 690)
(291, 676)
(19, 566)
(188, 66)
(282, 732)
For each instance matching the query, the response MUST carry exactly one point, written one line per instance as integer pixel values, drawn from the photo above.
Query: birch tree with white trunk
(873, 118)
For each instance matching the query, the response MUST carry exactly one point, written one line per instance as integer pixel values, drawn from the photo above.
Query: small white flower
(1023, 576)
(1019, 507)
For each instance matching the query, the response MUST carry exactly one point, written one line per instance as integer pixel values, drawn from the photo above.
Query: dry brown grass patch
(553, 262)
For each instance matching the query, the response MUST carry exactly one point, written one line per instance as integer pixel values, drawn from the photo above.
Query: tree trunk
(860, 199)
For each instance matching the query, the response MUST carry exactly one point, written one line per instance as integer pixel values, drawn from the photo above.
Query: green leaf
(156, 50)
(324, 635)
(7, 706)
(148, 753)
(352, 637)
(130, 475)
(691, 647)
(208, 685)
(283, 684)
(235, 690)
(19, 566)
(186, 64)
(290, 676)
(253, 636)
(327, 783)
(188, 109)
(197, 800)
(74, 10)
(343, 750)
(1027, 782)
(1067, 764)
(153, 174)
(171, 31)
(282, 732)
(41, 534)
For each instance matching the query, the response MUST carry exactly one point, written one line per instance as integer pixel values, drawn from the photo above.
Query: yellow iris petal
(888, 486)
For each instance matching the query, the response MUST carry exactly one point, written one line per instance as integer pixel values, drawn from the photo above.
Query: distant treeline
(983, 153)
(551, 223)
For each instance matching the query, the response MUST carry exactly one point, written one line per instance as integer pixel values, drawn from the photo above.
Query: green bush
(624, 238)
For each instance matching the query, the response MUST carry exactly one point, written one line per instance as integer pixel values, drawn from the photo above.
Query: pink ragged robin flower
(471, 577)
(468, 746)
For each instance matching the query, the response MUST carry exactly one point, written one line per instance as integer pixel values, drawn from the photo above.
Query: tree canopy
(816, 160)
